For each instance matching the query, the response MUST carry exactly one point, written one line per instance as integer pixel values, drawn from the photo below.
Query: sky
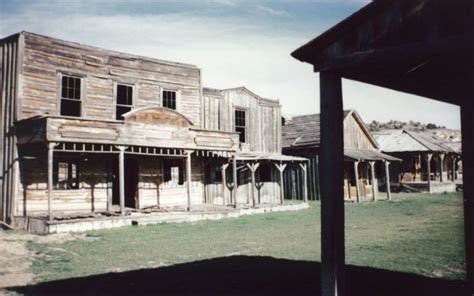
(234, 42)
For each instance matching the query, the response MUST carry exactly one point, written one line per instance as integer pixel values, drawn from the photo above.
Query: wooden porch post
(372, 173)
(454, 168)
(332, 184)
(356, 176)
(318, 193)
(50, 179)
(224, 186)
(387, 180)
(188, 179)
(441, 159)
(428, 167)
(122, 177)
(305, 182)
(281, 167)
(253, 167)
(467, 131)
(234, 175)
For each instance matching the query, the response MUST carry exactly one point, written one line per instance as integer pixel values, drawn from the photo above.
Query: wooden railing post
(372, 173)
(305, 182)
(281, 167)
(188, 179)
(224, 186)
(356, 177)
(253, 167)
(428, 167)
(387, 180)
(234, 176)
(50, 180)
(122, 177)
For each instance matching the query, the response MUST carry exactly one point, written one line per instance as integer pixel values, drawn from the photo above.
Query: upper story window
(169, 99)
(70, 96)
(124, 100)
(241, 125)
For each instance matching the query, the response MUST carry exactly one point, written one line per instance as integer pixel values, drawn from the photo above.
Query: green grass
(417, 234)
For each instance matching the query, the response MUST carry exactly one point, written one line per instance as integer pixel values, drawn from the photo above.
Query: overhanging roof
(249, 156)
(367, 155)
(423, 47)
(408, 141)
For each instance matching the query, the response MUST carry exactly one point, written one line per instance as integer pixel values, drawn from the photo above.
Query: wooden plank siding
(10, 87)
(45, 57)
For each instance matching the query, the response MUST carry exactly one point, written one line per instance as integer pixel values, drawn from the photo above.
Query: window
(265, 172)
(70, 96)
(173, 171)
(240, 125)
(213, 173)
(66, 173)
(169, 99)
(124, 100)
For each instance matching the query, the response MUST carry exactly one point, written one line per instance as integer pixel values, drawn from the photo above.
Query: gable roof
(217, 92)
(305, 130)
(407, 141)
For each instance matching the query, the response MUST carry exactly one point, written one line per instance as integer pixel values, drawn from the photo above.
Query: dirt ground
(16, 259)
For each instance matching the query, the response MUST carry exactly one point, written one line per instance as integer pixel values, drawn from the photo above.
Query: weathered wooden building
(429, 163)
(93, 130)
(364, 163)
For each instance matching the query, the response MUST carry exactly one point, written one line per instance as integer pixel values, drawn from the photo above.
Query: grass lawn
(416, 233)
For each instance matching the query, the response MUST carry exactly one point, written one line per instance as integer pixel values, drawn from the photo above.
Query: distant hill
(440, 131)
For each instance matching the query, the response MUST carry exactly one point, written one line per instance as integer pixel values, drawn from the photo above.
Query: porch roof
(361, 154)
(268, 156)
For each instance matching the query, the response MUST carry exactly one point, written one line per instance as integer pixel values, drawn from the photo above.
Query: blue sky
(234, 42)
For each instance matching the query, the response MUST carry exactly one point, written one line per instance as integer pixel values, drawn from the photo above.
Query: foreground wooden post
(454, 168)
(467, 131)
(224, 186)
(332, 184)
(50, 179)
(356, 177)
(318, 191)
(387, 180)
(281, 167)
(234, 175)
(372, 173)
(188, 179)
(428, 167)
(253, 167)
(305, 182)
(122, 177)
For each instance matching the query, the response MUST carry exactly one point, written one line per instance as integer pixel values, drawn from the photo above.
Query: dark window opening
(173, 171)
(213, 174)
(169, 99)
(240, 125)
(66, 173)
(124, 101)
(71, 96)
(265, 172)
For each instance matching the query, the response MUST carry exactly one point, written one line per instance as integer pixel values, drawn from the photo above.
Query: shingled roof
(406, 141)
(303, 130)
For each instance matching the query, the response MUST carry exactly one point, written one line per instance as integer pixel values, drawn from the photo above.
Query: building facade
(86, 130)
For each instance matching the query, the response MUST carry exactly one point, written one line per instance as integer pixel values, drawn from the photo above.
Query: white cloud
(271, 11)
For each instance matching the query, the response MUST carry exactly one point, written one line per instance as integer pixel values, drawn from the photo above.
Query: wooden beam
(188, 179)
(454, 159)
(305, 182)
(234, 176)
(332, 184)
(372, 174)
(428, 168)
(224, 186)
(318, 191)
(467, 131)
(356, 177)
(387, 180)
(50, 180)
(122, 177)
(253, 167)
(281, 167)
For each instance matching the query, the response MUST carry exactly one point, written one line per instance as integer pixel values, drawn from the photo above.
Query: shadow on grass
(244, 275)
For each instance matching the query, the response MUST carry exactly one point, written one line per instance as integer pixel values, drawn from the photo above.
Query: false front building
(93, 130)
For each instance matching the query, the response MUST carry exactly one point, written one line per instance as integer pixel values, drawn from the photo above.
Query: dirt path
(16, 259)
